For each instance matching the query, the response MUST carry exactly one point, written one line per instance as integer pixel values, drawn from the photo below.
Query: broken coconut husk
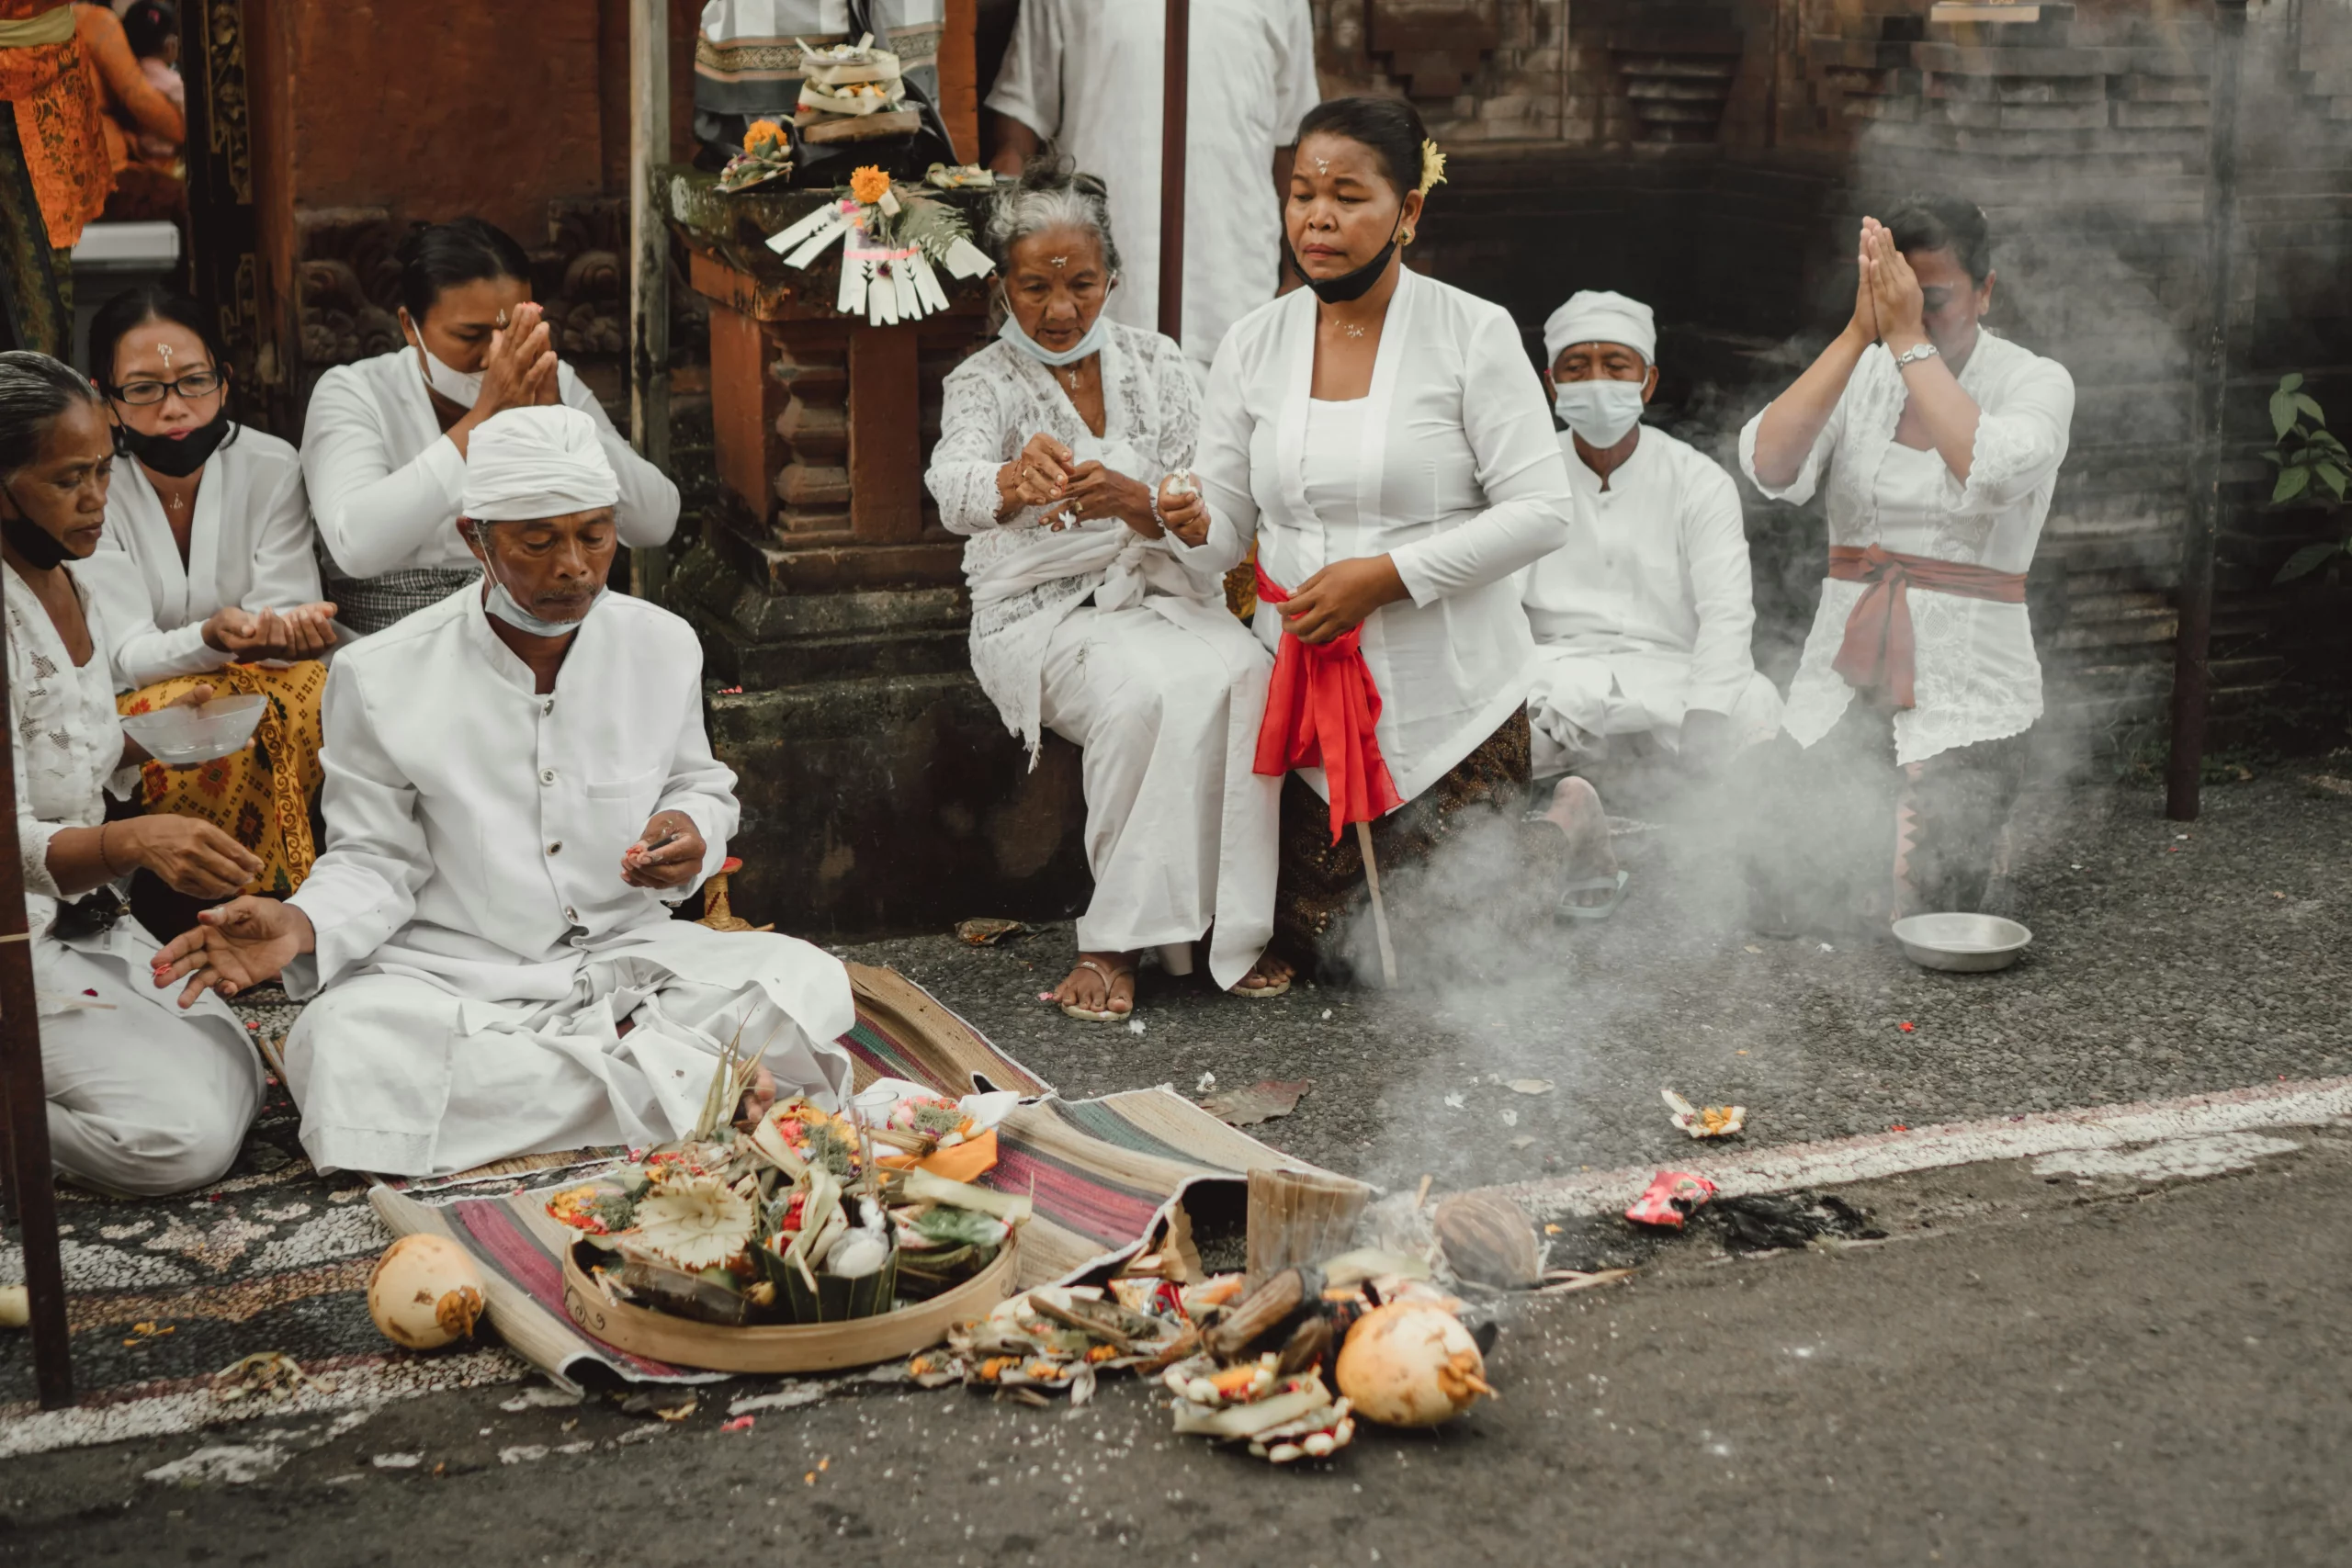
(1489, 1240)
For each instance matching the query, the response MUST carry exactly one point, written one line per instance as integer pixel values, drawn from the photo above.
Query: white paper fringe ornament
(885, 283)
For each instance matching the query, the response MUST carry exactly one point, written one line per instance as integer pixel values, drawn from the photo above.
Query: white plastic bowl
(1961, 942)
(184, 735)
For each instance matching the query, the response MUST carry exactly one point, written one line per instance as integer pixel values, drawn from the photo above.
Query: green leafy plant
(2307, 455)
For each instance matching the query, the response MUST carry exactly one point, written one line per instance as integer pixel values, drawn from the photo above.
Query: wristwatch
(1918, 351)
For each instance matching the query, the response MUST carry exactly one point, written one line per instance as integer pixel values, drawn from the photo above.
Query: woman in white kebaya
(209, 575)
(1937, 446)
(384, 440)
(143, 1098)
(1061, 451)
(1383, 439)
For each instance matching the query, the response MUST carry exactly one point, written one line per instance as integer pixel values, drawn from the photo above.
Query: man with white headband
(1642, 619)
(518, 788)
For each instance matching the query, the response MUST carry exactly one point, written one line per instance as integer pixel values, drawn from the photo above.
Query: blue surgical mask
(1601, 412)
(1090, 343)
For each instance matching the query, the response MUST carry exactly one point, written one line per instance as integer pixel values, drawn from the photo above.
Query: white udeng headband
(541, 461)
(1595, 315)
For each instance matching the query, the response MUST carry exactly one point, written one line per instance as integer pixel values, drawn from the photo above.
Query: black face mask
(1348, 286)
(175, 458)
(40, 549)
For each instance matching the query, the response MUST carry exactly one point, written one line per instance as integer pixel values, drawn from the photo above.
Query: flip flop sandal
(1264, 991)
(1101, 1015)
(1568, 910)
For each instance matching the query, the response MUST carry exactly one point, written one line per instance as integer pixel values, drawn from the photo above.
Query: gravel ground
(2166, 961)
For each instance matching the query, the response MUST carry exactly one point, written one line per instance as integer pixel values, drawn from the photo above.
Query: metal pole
(1175, 106)
(2192, 676)
(649, 245)
(28, 1107)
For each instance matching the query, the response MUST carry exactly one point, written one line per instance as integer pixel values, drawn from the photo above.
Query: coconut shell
(1489, 1240)
(1410, 1364)
(425, 1292)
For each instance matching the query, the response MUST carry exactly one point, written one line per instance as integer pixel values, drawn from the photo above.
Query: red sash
(1879, 653)
(1320, 710)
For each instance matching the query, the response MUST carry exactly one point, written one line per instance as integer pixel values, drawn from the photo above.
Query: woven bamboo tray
(785, 1347)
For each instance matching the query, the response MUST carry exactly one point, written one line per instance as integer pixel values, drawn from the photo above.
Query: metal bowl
(1959, 942)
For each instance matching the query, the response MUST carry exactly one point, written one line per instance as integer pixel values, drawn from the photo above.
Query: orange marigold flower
(870, 184)
(762, 133)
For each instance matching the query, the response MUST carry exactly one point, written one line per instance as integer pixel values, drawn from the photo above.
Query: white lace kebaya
(1978, 678)
(994, 402)
(1124, 647)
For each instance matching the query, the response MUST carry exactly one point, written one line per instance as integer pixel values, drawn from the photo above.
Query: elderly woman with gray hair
(1063, 454)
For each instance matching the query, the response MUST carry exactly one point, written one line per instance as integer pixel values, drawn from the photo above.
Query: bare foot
(1269, 973)
(1083, 987)
(1576, 810)
(758, 1100)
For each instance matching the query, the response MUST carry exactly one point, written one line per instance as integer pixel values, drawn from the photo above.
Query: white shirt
(68, 740)
(1978, 678)
(249, 545)
(1088, 74)
(1653, 580)
(385, 482)
(475, 828)
(1458, 479)
(1328, 466)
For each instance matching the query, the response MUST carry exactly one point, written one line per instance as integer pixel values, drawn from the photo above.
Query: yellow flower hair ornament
(1433, 167)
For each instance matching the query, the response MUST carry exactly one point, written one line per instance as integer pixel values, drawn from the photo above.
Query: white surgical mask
(508, 608)
(1090, 343)
(462, 388)
(1600, 411)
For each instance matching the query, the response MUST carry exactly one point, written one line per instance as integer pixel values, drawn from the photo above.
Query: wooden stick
(649, 243)
(1379, 911)
(1175, 111)
(28, 1107)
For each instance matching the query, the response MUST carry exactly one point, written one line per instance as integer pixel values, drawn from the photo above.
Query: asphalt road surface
(2037, 1367)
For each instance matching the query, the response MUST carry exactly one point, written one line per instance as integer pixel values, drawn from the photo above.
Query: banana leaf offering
(793, 1216)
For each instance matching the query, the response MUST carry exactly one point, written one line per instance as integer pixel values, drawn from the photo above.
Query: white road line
(1735, 1170)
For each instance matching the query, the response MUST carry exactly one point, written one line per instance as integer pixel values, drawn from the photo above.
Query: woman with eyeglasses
(208, 577)
(143, 1098)
(384, 440)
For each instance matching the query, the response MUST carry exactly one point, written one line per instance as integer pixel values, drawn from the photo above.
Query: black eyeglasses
(194, 385)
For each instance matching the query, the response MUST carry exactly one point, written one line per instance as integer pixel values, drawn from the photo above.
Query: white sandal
(1110, 979)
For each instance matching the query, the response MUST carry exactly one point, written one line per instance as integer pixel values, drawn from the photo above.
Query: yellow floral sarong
(261, 796)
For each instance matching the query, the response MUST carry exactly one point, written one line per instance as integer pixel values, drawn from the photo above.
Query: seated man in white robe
(519, 789)
(1641, 620)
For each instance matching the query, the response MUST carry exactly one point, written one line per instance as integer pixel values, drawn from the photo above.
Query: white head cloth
(1594, 315)
(541, 461)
